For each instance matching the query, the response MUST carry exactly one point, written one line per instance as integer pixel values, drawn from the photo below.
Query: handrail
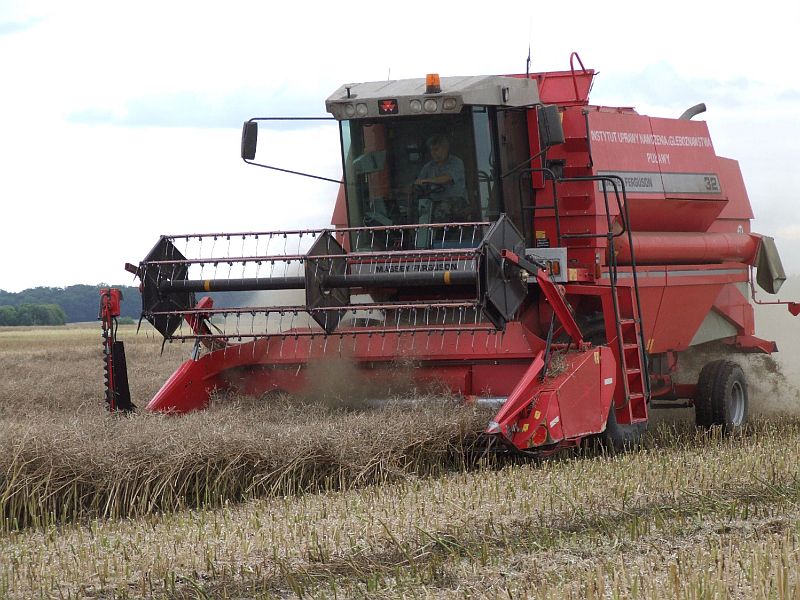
(573, 56)
(618, 185)
(532, 208)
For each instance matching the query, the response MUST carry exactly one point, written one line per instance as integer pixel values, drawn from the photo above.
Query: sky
(120, 122)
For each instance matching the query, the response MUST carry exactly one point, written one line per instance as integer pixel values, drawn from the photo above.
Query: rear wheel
(721, 397)
(703, 413)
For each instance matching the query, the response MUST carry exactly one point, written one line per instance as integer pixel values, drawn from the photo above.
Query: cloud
(10, 27)
(790, 231)
(789, 95)
(187, 108)
(660, 84)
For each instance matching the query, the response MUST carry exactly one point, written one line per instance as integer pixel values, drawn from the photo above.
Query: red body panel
(481, 363)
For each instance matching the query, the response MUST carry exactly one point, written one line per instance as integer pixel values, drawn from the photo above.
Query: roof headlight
(361, 109)
(349, 110)
(430, 105)
(415, 106)
(449, 103)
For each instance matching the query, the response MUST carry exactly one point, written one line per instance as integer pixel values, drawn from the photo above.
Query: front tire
(615, 437)
(619, 437)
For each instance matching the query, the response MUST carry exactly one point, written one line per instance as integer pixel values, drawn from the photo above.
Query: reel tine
(397, 347)
(413, 334)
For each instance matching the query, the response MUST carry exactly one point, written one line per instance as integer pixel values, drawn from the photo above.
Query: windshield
(418, 170)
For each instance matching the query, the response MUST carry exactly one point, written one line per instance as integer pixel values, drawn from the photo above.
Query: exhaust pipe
(693, 111)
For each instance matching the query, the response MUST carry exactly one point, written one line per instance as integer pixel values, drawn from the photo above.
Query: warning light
(387, 107)
(433, 83)
(555, 267)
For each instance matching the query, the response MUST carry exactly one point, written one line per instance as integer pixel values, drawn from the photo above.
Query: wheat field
(277, 497)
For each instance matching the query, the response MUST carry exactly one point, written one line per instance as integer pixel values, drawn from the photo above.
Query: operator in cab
(444, 172)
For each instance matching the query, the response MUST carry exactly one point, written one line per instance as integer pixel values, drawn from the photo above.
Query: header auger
(484, 225)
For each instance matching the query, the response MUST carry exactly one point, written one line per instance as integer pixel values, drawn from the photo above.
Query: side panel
(670, 170)
(584, 399)
(736, 215)
(681, 313)
(676, 300)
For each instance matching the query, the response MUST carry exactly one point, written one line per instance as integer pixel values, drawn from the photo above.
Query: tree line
(76, 303)
(32, 314)
(79, 303)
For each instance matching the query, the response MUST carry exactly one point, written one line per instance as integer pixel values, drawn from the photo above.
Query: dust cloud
(773, 381)
(341, 384)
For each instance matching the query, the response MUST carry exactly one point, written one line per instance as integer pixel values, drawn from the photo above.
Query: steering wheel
(424, 190)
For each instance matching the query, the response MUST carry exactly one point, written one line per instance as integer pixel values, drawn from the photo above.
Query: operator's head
(439, 146)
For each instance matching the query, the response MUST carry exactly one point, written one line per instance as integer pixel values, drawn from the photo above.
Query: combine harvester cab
(508, 241)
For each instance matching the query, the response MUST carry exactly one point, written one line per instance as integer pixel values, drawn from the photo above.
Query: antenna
(389, 75)
(528, 62)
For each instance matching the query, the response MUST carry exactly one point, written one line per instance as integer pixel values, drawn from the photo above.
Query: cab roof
(480, 90)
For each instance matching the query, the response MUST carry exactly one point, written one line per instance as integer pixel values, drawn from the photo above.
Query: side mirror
(249, 140)
(551, 130)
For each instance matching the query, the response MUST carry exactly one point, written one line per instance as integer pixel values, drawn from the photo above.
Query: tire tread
(726, 375)
(703, 408)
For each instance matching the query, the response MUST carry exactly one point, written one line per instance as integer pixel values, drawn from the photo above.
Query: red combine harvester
(507, 239)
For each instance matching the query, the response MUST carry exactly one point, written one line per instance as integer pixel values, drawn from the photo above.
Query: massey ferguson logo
(421, 267)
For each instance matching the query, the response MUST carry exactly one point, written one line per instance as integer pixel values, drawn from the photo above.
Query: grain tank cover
(408, 97)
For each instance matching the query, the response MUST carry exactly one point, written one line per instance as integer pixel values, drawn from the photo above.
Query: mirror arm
(250, 139)
(251, 162)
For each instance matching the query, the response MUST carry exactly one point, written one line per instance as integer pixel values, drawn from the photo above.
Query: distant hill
(79, 302)
(82, 302)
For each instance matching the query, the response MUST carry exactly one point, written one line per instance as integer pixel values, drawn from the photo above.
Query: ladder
(625, 335)
(627, 343)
